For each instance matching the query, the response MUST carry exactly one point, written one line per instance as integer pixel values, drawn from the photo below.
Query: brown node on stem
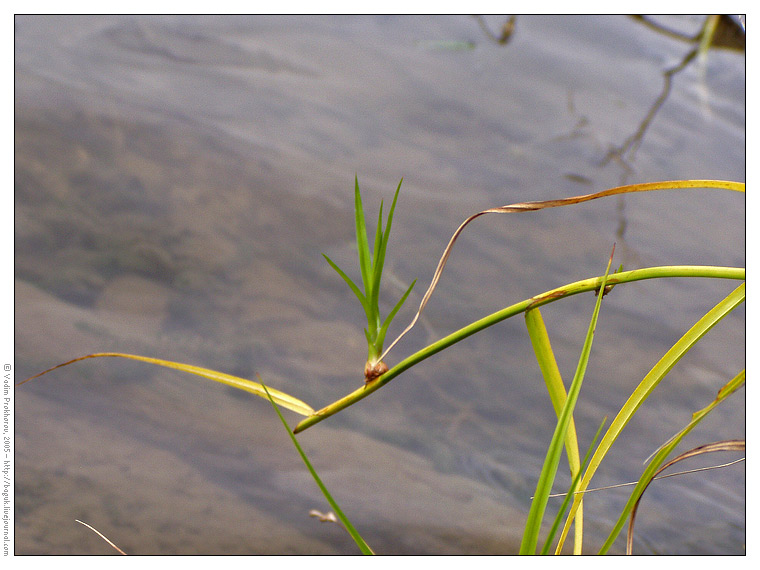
(372, 371)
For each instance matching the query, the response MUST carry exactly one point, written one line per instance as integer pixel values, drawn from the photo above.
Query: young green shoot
(371, 265)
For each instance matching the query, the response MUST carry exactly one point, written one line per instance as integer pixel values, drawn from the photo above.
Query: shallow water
(177, 180)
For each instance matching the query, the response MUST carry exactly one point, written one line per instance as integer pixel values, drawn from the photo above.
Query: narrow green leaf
(389, 318)
(549, 471)
(376, 252)
(351, 284)
(365, 263)
(373, 292)
(285, 400)
(554, 384)
(539, 338)
(571, 491)
(379, 259)
(377, 269)
(651, 470)
(363, 546)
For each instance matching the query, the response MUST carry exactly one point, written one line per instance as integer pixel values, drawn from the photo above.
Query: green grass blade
(362, 244)
(377, 272)
(283, 399)
(548, 364)
(381, 245)
(571, 492)
(377, 268)
(378, 236)
(649, 473)
(363, 546)
(389, 318)
(377, 265)
(551, 463)
(650, 382)
(554, 384)
(351, 284)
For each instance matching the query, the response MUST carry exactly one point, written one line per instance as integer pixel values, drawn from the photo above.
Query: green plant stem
(576, 288)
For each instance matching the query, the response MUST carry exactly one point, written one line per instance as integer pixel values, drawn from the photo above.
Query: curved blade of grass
(556, 388)
(650, 472)
(363, 546)
(547, 297)
(551, 463)
(729, 445)
(569, 494)
(542, 204)
(389, 318)
(351, 284)
(283, 399)
(648, 384)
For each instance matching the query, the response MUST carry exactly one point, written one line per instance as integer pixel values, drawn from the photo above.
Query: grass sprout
(371, 265)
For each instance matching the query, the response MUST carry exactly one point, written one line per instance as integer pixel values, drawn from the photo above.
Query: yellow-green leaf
(283, 399)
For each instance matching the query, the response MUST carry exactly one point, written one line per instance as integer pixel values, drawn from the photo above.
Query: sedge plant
(371, 266)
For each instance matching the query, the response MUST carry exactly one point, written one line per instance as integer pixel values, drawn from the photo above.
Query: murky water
(177, 180)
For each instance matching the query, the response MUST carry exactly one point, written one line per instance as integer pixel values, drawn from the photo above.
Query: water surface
(177, 180)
